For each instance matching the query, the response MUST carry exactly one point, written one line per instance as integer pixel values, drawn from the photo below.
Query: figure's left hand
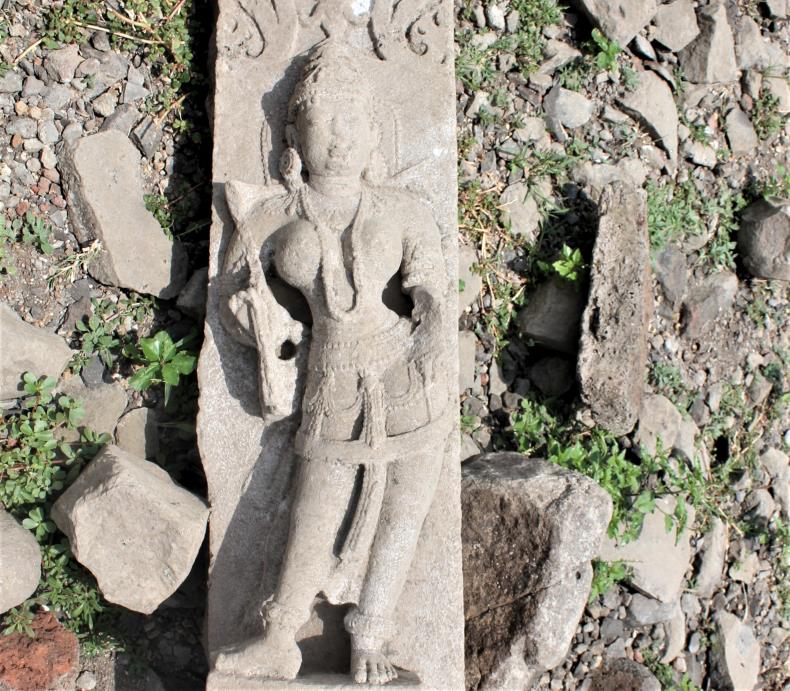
(428, 318)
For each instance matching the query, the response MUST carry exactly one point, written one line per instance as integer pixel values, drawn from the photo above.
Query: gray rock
(711, 57)
(134, 92)
(568, 108)
(700, 154)
(467, 347)
(620, 20)
(520, 210)
(777, 8)
(594, 177)
(707, 301)
(26, 348)
(136, 254)
(61, 64)
(148, 135)
(646, 611)
(530, 530)
(103, 404)
(557, 54)
(32, 87)
(754, 51)
(651, 103)
(745, 568)
(104, 105)
(714, 554)
(740, 134)
(777, 465)
(780, 89)
(676, 25)
(137, 433)
(192, 298)
(86, 681)
(622, 674)
(759, 389)
(659, 559)
(552, 315)
(613, 355)
(23, 126)
(676, 637)
(671, 271)
(760, 505)
(11, 82)
(132, 527)
(20, 563)
(735, 654)
(764, 240)
(553, 376)
(123, 119)
(495, 17)
(685, 446)
(658, 419)
(57, 96)
(48, 132)
(93, 372)
(470, 283)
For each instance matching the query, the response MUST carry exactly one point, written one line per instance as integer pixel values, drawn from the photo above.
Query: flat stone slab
(336, 682)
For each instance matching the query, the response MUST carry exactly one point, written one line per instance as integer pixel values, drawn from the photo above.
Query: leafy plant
(37, 232)
(766, 117)
(668, 380)
(163, 361)
(607, 574)
(570, 265)
(606, 58)
(777, 186)
(6, 234)
(97, 337)
(673, 212)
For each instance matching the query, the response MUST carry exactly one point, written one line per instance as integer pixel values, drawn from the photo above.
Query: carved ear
(242, 199)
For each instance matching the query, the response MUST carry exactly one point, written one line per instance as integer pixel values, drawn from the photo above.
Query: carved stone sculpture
(328, 411)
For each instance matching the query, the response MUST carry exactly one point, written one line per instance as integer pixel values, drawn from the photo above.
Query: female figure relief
(375, 400)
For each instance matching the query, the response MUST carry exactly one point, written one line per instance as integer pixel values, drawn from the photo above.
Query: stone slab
(250, 464)
(337, 682)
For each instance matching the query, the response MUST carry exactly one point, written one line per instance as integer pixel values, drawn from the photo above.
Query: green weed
(606, 57)
(673, 212)
(766, 118)
(777, 186)
(668, 381)
(163, 361)
(606, 575)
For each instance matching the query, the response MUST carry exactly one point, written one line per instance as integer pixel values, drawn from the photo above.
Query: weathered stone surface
(520, 209)
(672, 273)
(707, 301)
(740, 134)
(735, 653)
(552, 376)
(754, 51)
(61, 64)
(192, 298)
(552, 315)
(659, 560)
(596, 176)
(620, 20)
(400, 133)
(568, 108)
(137, 433)
(622, 674)
(49, 660)
(676, 24)
(20, 563)
(651, 103)
(132, 527)
(777, 465)
(613, 355)
(467, 346)
(135, 254)
(711, 57)
(658, 419)
(764, 240)
(103, 404)
(26, 348)
(470, 283)
(646, 611)
(530, 529)
(780, 89)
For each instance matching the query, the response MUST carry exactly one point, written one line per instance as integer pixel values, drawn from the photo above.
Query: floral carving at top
(271, 26)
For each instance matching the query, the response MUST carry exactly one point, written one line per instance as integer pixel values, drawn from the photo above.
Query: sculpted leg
(322, 497)
(410, 488)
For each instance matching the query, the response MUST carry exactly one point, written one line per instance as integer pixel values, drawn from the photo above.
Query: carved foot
(268, 656)
(369, 667)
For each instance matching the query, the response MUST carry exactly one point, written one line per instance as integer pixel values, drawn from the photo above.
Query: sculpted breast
(298, 254)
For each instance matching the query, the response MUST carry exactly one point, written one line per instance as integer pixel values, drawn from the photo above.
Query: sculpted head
(333, 113)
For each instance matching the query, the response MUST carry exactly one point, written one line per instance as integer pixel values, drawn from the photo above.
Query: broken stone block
(61, 64)
(672, 274)
(20, 563)
(707, 301)
(26, 348)
(612, 361)
(568, 108)
(552, 315)
(659, 559)
(711, 57)
(735, 654)
(132, 527)
(676, 25)
(137, 433)
(659, 419)
(740, 134)
(530, 529)
(47, 660)
(103, 404)
(652, 104)
(620, 20)
(621, 674)
(764, 240)
(101, 174)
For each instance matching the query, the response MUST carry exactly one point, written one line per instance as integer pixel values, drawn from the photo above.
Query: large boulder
(620, 20)
(530, 530)
(101, 174)
(26, 348)
(132, 527)
(20, 563)
(711, 56)
(613, 356)
(764, 240)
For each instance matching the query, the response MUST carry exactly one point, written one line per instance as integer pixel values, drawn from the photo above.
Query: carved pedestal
(327, 378)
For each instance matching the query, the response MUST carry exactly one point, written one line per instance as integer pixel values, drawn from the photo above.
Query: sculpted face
(336, 136)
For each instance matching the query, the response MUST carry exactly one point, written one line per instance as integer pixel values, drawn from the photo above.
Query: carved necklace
(340, 294)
